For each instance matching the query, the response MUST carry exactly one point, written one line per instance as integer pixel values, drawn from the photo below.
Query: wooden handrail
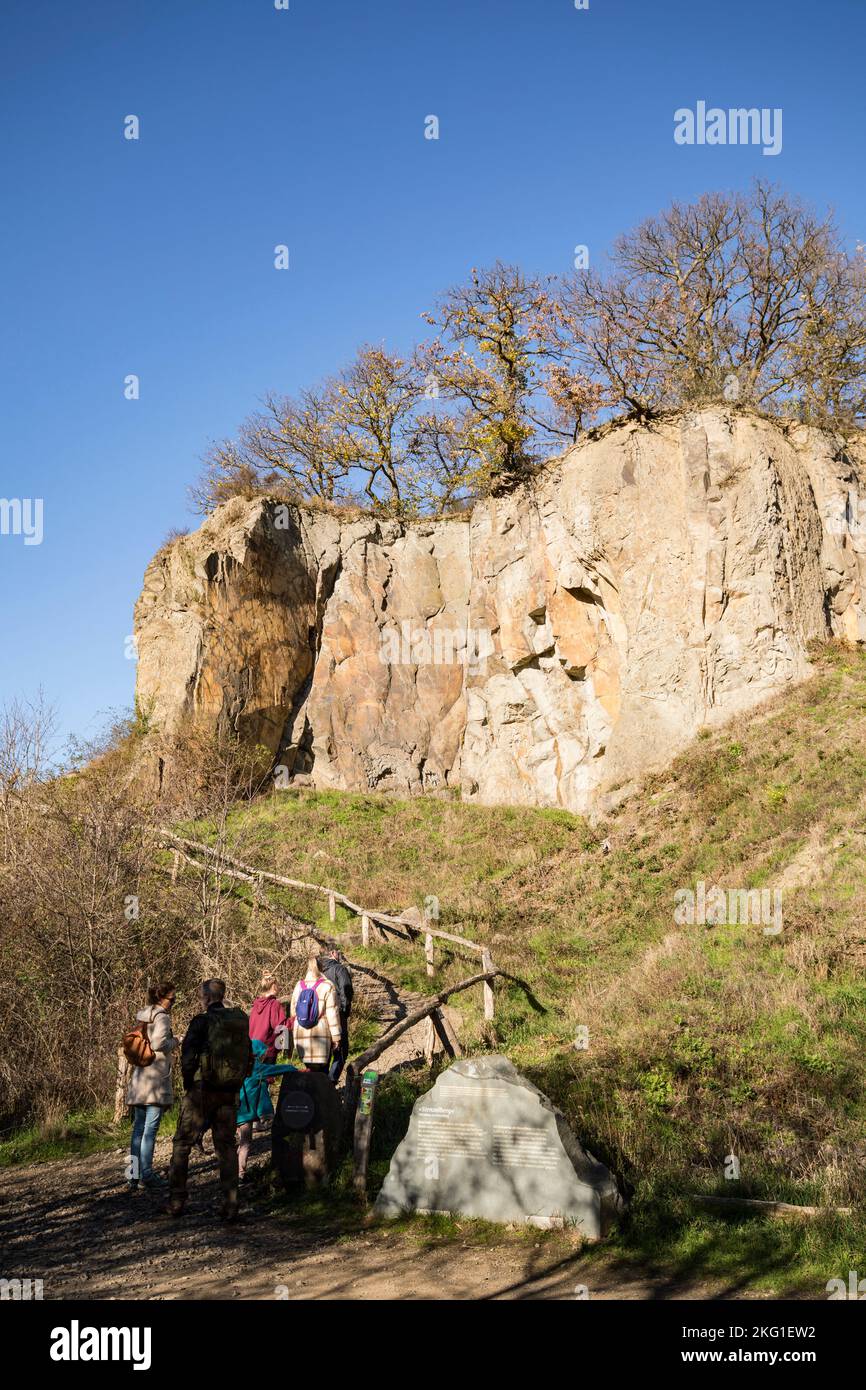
(231, 867)
(358, 1063)
(388, 919)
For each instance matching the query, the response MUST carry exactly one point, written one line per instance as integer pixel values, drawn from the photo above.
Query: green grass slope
(704, 1041)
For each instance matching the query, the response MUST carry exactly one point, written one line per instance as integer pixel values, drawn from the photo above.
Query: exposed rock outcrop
(546, 648)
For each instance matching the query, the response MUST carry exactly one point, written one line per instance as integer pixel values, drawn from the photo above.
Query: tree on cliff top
(468, 413)
(367, 436)
(497, 342)
(748, 298)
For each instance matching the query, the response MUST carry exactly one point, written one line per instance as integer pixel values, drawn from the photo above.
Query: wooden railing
(358, 1119)
(385, 923)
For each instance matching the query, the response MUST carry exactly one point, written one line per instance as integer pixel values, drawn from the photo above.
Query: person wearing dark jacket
(333, 969)
(215, 1058)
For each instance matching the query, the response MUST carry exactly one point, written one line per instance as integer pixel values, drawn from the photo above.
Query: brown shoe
(229, 1211)
(175, 1206)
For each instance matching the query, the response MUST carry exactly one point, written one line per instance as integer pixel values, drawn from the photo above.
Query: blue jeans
(145, 1123)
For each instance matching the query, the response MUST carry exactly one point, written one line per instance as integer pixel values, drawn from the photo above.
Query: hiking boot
(229, 1212)
(175, 1206)
(155, 1183)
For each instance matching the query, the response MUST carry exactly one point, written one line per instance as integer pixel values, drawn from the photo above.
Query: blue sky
(306, 127)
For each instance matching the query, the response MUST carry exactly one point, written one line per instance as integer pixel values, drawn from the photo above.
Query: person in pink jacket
(266, 1016)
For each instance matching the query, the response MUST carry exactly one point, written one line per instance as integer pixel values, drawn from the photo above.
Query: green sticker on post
(368, 1088)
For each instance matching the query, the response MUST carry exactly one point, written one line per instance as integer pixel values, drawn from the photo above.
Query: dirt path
(72, 1224)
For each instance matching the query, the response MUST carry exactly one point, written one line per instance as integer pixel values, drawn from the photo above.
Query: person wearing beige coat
(150, 1090)
(314, 1045)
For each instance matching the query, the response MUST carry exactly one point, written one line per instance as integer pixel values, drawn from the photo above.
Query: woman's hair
(157, 992)
(268, 980)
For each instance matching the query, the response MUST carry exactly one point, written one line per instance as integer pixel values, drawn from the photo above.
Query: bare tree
(748, 296)
(368, 435)
(91, 913)
(292, 449)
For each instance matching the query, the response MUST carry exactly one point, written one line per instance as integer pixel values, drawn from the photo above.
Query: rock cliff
(545, 649)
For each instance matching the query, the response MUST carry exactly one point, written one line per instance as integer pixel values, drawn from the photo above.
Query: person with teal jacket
(254, 1101)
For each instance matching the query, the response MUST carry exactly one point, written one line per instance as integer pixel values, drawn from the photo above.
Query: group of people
(228, 1060)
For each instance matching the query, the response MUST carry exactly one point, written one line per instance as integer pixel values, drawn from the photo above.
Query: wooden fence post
(436, 1031)
(487, 988)
(429, 1040)
(428, 953)
(365, 929)
(332, 908)
(447, 1037)
(364, 1129)
(120, 1086)
(350, 1104)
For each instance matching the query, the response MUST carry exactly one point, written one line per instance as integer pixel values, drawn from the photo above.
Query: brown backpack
(136, 1044)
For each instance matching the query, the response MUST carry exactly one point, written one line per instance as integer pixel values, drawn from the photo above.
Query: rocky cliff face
(544, 650)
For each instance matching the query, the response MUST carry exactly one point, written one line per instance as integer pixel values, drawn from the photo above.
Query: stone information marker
(484, 1142)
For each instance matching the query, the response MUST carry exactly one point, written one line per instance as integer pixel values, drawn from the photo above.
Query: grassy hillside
(704, 1041)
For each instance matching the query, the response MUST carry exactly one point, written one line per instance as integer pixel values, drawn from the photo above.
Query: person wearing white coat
(150, 1091)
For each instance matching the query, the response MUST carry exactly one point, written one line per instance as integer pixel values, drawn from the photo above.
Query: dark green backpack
(225, 1062)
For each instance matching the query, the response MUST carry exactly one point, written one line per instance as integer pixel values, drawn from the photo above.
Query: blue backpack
(307, 1011)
